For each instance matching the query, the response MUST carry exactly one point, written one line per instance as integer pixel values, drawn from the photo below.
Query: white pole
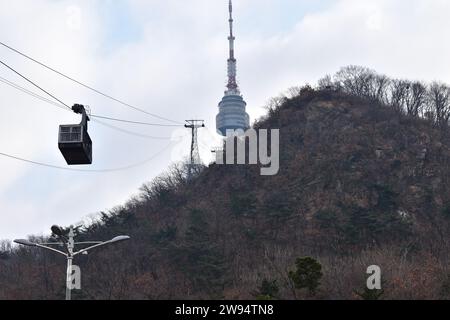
(69, 278)
(70, 247)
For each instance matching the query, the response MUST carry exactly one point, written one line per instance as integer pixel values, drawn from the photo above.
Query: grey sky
(169, 57)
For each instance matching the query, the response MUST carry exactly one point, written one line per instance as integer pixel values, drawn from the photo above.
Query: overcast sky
(169, 57)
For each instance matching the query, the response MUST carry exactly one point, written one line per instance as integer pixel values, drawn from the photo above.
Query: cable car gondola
(74, 141)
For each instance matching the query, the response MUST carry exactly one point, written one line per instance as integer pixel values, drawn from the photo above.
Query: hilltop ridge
(362, 180)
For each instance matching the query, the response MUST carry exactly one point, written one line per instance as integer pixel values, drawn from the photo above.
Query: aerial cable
(31, 93)
(64, 106)
(86, 86)
(35, 95)
(140, 135)
(42, 164)
(34, 84)
(135, 122)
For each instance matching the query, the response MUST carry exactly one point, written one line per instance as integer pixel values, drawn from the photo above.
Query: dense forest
(364, 179)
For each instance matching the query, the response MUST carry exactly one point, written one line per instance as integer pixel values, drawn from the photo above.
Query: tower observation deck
(232, 114)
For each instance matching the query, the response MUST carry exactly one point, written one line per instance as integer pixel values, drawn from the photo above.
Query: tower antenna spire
(232, 83)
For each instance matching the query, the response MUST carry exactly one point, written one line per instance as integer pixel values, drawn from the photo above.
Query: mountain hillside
(362, 181)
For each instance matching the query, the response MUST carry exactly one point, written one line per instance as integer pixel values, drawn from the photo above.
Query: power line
(86, 86)
(42, 164)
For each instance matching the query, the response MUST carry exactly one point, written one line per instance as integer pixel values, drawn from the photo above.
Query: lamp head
(119, 238)
(57, 231)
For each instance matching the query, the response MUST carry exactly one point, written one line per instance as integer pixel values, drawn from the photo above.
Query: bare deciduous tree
(439, 102)
(399, 94)
(355, 80)
(417, 99)
(379, 88)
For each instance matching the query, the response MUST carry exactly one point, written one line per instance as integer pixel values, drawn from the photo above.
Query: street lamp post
(69, 244)
(70, 247)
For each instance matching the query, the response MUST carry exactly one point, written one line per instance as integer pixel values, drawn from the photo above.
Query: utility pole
(194, 125)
